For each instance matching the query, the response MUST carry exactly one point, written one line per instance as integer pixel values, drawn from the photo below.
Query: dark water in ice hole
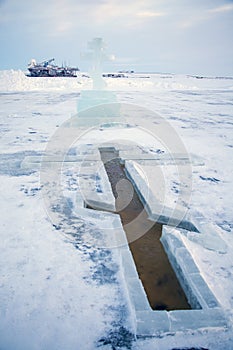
(159, 280)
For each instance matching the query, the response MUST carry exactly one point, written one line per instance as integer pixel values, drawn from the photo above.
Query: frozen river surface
(59, 286)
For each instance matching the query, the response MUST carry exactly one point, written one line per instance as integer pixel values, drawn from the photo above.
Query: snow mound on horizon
(16, 80)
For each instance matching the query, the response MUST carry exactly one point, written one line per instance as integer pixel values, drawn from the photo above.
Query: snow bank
(16, 80)
(12, 80)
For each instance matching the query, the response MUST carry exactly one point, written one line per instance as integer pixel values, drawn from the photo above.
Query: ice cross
(97, 56)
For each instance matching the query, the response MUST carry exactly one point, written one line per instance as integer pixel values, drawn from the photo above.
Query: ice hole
(159, 280)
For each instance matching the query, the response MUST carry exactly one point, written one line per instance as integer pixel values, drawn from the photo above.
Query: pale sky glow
(177, 36)
(225, 8)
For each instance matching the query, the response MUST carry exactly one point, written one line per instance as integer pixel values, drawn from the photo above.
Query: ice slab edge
(195, 226)
(156, 211)
(207, 313)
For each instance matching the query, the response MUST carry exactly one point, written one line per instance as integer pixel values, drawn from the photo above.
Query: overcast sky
(179, 36)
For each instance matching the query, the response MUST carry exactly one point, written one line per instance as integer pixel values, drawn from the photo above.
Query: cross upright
(97, 56)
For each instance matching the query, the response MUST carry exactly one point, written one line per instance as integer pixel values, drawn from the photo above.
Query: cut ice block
(137, 294)
(151, 323)
(95, 186)
(182, 320)
(197, 291)
(206, 297)
(185, 260)
(169, 240)
(92, 98)
(128, 264)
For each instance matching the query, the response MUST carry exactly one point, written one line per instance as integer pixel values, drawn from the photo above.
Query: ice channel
(198, 309)
(158, 278)
(205, 310)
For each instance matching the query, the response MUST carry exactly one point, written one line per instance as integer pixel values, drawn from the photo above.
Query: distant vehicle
(126, 71)
(47, 69)
(114, 75)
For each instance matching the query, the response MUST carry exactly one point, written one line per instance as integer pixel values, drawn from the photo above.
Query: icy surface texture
(56, 279)
(58, 291)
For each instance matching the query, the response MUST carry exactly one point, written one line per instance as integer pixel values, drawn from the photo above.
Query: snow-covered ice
(61, 285)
